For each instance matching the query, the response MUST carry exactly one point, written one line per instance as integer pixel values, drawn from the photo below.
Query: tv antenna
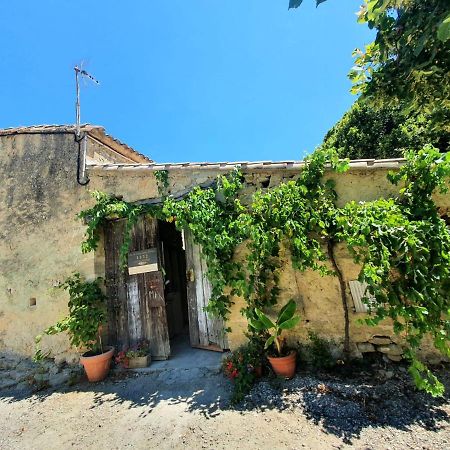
(80, 73)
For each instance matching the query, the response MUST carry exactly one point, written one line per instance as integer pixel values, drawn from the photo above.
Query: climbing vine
(404, 248)
(162, 180)
(297, 215)
(111, 207)
(211, 215)
(401, 244)
(214, 216)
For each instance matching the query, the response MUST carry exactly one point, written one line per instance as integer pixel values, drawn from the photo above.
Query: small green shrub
(86, 315)
(242, 367)
(318, 352)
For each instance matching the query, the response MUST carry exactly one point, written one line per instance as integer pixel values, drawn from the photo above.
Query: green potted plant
(83, 325)
(136, 357)
(281, 359)
(243, 367)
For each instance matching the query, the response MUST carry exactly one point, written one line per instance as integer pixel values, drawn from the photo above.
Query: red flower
(122, 359)
(234, 374)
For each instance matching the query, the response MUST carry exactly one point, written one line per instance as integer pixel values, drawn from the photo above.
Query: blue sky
(197, 80)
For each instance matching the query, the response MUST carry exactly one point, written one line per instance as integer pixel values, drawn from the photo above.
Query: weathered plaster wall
(101, 154)
(318, 297)
(40, 238)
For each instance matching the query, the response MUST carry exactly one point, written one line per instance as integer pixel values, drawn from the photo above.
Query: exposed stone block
(18, 375)
(59, 379)
(388, 374)
(391, 349)
(380, 340)
(366, 347)
(395, 358)
(6, 383)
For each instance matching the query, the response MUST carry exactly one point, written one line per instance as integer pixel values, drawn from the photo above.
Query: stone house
(47, 174)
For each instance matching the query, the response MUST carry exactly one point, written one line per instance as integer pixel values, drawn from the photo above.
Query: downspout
(81, 139)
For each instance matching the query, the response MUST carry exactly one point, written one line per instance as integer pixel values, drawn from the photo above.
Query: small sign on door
(143, 261)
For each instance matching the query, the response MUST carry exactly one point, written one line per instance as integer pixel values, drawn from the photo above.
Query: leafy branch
(86, 315)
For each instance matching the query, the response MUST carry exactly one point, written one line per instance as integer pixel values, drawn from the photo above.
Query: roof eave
(359, 164)
(99, 134)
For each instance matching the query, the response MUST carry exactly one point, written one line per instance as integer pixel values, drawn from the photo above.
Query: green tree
(403, 78)
(409, 61)
(368, 132)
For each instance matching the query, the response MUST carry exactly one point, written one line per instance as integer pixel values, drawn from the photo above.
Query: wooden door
(205, 330)
(136, 305)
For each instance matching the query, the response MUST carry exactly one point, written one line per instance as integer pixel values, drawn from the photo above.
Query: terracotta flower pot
(97, 367)
(284, 366)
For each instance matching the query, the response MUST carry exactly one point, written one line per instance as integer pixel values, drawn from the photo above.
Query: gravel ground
(384, 402)
(190, 409)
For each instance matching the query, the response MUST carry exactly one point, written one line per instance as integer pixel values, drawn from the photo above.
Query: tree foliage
(386, 132)
(409, 61)
(403, 78)
(297, 3)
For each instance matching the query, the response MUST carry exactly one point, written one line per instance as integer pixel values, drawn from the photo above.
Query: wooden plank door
(136, 305)
(205, 330)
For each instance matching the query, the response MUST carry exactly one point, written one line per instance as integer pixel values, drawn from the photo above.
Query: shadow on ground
(344, 407)
(200, 390)
(340, 406)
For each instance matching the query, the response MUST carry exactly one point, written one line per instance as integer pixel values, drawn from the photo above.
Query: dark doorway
(175, 292)
(166, 304)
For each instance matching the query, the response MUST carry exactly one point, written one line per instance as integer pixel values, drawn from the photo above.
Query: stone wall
(318, 297)
(39, 236)
(98, 152)
(40, 241)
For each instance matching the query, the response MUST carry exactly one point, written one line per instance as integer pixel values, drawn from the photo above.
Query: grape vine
(401, 244)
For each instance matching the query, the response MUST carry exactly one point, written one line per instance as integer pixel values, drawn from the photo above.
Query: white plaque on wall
(143, 261)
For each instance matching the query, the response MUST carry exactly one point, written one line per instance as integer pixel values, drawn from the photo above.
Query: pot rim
(279, 358)
(106, 353)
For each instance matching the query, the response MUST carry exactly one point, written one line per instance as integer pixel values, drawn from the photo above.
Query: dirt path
(190, 410)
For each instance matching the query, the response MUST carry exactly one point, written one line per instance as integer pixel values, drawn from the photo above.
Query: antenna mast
(80, 72)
